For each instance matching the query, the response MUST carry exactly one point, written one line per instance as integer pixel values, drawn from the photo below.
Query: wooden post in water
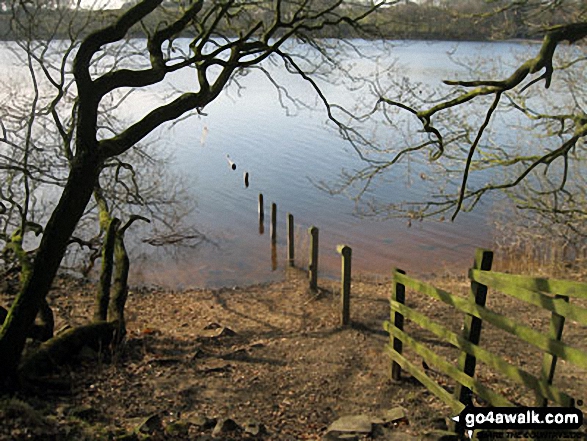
(261, 214)
(273, 223)
(313, 266)
(261, 208)
(345, 284)
(557, 323)
(472, 329)
(398, 294)
(290, 239)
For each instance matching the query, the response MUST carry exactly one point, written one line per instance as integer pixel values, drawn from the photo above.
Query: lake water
(285, 156)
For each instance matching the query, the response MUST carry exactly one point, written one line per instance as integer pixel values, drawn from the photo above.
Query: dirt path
(288, 365)
(269, 354)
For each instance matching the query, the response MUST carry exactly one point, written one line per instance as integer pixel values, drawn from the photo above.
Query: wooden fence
(549, 294)
(552, 295)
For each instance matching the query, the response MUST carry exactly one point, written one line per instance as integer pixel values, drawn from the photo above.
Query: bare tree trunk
(118, 298)
(58, 231)
(103, 294)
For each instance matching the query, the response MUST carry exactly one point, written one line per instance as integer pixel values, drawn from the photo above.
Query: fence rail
(549, 286)
(549, 294)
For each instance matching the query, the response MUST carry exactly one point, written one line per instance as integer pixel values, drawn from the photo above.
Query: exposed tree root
(64, 347)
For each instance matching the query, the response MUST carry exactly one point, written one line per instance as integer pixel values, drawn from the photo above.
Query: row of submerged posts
(344, 250)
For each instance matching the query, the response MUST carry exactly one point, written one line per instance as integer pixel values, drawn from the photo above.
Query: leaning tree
(216, 40)
(37, 120)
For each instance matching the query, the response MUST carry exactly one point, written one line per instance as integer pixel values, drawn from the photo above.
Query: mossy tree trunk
(60, 349)
(113, 289)
(43, 330)
(35, 287)
(120, 294)
(108, 328)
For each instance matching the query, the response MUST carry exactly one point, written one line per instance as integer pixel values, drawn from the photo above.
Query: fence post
(290, 239)
(557, 323)
(398, 294)
(472, 326)
(313, 266)
(345, 284)
(273, 223)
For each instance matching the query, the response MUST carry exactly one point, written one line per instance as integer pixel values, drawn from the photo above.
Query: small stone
(62, 330)
(198, 353)
(391, 416)
(216, 333)
(396, 414)
(352, 424)
(239, 354)
(256, 344)
(225, 332)
(200, 421)
(224, 426)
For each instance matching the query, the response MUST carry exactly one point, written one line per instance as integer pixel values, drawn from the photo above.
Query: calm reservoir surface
(285, 155)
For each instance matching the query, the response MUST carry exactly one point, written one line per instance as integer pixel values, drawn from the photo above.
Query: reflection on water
(281, 157)
(273, 257)
(284, 156)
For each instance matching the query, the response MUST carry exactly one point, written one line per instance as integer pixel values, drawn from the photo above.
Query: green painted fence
(552, 295)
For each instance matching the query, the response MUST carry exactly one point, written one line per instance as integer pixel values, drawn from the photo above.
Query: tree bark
(20, 318)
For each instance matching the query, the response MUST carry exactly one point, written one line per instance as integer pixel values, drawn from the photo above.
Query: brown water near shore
(426, 248)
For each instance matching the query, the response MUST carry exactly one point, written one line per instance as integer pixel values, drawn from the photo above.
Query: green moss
(16, 246)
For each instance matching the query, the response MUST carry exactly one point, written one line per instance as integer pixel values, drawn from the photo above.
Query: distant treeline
(426, 20)
(468, 19)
